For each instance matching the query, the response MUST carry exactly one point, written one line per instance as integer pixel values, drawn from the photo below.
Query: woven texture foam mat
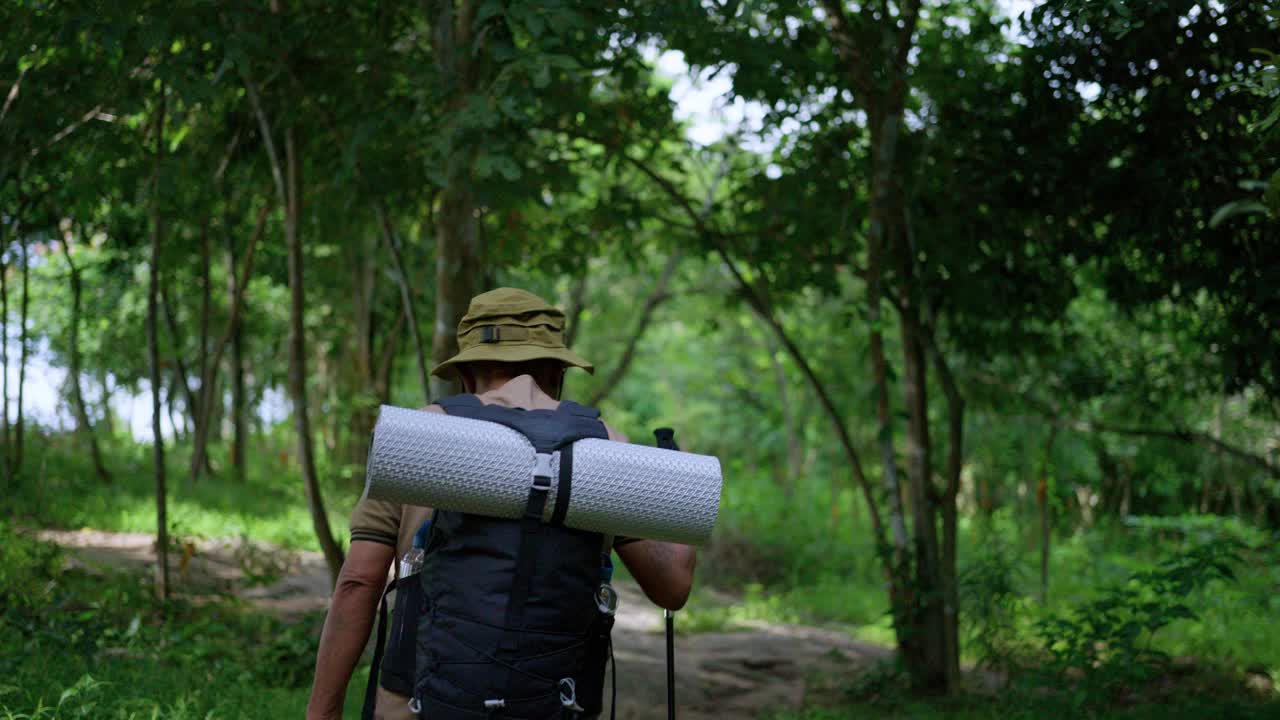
(473, 466)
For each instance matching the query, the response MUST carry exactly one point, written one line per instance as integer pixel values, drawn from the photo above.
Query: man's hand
(347, 626)
(664, 570)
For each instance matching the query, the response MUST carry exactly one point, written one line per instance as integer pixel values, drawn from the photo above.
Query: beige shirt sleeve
(379, 520)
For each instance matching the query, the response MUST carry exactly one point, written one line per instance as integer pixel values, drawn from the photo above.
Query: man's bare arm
(347, 626)
(664, 570)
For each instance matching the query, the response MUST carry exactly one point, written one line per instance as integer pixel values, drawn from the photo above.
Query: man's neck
(492, 382)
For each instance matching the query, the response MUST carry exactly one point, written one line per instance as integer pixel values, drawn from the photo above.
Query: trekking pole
(671, 664)
(666, 439)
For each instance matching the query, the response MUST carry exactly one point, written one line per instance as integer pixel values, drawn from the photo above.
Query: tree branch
(1193, 437)
(1184, 435)
(64, 132)
(14, 90)
(656, 298)
(758, 305)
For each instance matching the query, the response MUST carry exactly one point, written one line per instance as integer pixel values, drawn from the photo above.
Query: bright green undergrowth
(74, 644)
(809, 559)
(59, 489)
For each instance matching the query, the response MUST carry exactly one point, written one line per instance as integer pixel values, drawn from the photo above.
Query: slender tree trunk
(206, 299)
(203, 415)
(108, 418)
(238, 438)
(19, 441)
(153, 351)
(298, 359)
(77, 396)
(180, 431)
(288, 189)
(4, 357)
(182, 378)
(406, 299)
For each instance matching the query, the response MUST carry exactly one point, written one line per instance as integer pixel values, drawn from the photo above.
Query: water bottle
(411, 563)
(606, 596)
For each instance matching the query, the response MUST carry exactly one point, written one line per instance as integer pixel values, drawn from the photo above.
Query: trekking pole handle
(666, 438)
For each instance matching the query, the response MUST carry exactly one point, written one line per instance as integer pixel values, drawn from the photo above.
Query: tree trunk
(884, 431)
(298, 359)
(83, 425)
(459, 253)
(930, 676)
(4, 358)
(955, 466)
(202, 414)
(19, 441)
(206, 299)
(458, 261)
(238, 434)
(153, 351)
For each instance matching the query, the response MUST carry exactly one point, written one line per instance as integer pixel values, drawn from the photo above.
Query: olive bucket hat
(511, 325)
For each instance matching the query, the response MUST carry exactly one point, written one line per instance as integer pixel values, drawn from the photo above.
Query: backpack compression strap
(547, 430)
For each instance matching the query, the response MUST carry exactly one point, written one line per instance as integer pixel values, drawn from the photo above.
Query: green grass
(79, 645)
(59, 489)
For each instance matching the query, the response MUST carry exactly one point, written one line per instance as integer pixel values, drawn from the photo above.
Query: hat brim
(509, 352)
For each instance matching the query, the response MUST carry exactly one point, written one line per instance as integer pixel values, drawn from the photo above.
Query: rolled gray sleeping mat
(484, 468)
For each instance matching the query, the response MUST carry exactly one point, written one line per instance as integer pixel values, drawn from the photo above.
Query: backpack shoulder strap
(458, 401)
(572, 408)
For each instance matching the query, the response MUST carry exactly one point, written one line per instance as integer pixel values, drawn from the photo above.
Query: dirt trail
(720, 676)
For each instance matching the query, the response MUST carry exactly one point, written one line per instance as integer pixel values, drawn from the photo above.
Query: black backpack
(503, 620)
